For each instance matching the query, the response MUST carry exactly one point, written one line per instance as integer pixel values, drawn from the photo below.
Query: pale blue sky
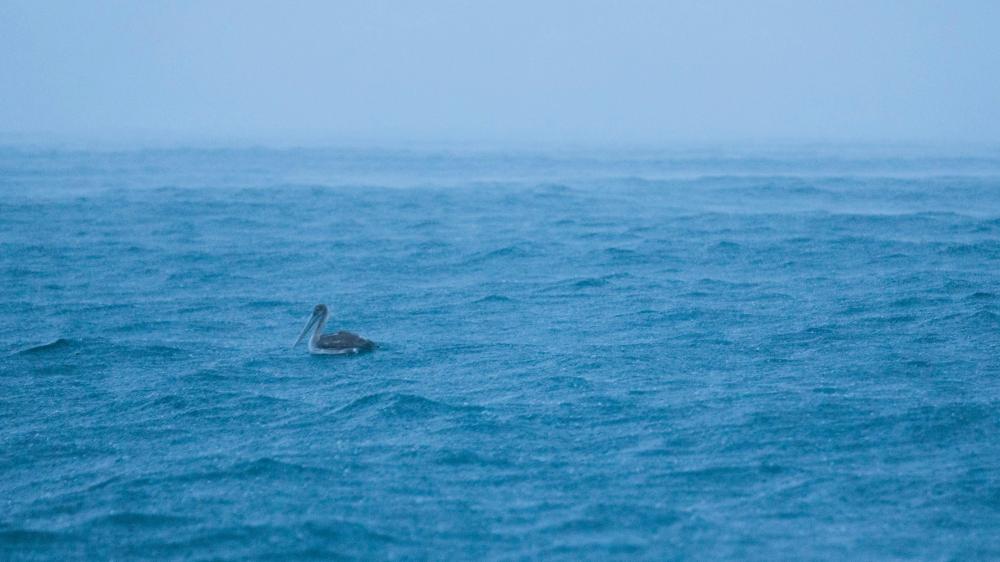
(558, 71)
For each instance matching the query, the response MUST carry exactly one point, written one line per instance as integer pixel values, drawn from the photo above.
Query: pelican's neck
(320, 324)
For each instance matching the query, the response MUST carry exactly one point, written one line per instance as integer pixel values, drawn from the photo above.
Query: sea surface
(784, 353)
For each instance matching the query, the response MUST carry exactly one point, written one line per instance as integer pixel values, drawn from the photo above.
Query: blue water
(583, 354)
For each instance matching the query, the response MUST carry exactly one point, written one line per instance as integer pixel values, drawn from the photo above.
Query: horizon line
(165, 140)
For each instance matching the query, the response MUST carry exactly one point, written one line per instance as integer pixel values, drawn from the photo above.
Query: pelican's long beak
(309, 325)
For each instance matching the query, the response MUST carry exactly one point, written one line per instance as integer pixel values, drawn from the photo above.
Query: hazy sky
(616, 71)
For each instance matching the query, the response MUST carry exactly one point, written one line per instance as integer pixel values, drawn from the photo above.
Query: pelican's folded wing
(344, 340)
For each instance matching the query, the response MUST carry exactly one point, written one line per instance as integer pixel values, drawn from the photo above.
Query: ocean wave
(270, 467)
(58, 345)
(26, 538)
(982, 296)
(136, 520)
(493, 299)
(466, 457)
(401, 406)
(510, 252)
(983, 249)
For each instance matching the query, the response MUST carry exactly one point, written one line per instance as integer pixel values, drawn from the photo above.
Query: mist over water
(627, 354)
(560, 71)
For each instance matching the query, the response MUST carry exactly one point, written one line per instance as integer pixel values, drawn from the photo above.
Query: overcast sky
(615, 71)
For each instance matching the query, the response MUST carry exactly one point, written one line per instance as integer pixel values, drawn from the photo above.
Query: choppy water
(582, 356)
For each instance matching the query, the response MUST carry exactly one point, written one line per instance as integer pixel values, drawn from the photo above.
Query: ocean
(784, 353)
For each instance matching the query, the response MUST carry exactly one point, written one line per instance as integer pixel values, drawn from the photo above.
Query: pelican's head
(318, 314)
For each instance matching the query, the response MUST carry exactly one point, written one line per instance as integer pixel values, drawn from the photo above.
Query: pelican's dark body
(332, 344)
(341, 342)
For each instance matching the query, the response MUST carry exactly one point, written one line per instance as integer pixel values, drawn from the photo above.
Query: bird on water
(331, 344)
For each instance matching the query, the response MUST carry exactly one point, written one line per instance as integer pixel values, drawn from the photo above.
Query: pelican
(331, 344)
